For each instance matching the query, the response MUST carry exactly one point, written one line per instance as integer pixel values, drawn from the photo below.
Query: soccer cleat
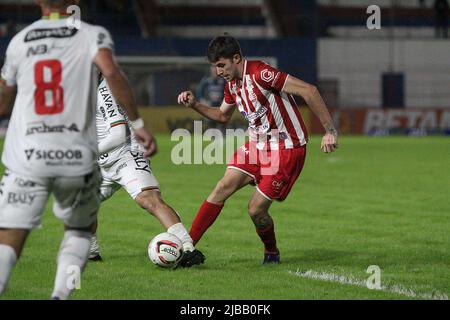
(97, 257)
(94, 250)
(191, 258)
(271, 258)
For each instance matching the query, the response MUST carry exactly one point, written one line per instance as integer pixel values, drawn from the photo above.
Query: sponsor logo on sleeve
(277, 76)
(267, 75)
(101, 38)
(109, 103)
(103, 157)
(102, 110)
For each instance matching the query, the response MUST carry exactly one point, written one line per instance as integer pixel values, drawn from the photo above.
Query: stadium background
(386, 199)
(401, 70)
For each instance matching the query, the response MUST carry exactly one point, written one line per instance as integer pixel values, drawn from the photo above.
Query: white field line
(398, 289)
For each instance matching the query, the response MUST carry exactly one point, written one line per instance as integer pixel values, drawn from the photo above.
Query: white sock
(94, 249)
(72, 258)
(180, 231)
(8, 259)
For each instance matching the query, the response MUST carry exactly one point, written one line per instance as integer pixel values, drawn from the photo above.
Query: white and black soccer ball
(165, 250)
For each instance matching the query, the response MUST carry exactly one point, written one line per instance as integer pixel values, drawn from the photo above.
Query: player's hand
(152, 149)
(329, 142)
(147, 140)
(187, 98)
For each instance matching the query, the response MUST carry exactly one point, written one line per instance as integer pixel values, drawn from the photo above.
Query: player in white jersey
(48, 81)
(122, 164)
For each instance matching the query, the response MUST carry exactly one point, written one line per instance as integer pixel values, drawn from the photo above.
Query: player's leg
(240, 172)
(258, 209)
(22, 203)
(76, 203)
(210, 209)
(135, 175)
(107, 189)
(14, 238)
(151, 200)
(277, 179)
(94, 249)
(71, 260)
(12, 242)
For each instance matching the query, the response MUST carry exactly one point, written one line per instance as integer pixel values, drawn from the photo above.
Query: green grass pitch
(376, 201)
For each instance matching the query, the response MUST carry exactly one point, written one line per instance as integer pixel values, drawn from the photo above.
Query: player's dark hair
(223, 47)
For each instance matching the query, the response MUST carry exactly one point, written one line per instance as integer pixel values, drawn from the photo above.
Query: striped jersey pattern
(273, 116)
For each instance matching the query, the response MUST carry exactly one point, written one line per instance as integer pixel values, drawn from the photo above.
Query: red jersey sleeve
(228, 97)
(270, 78)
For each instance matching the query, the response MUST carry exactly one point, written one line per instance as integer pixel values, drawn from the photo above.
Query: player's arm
(121, 90)
(7, 98)
(117, 82)
(114, 119)
(315, 102)
(8, 80)
(116, 137)
(222, 114)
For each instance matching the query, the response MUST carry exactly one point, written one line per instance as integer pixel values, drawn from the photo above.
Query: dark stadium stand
(159, 18)
(118, 16)
(357, 16)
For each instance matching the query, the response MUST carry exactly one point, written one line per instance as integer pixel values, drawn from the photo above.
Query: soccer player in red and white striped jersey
(273, 157)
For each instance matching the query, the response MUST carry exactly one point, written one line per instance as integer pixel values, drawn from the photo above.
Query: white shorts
(133, 172)
(23, 200)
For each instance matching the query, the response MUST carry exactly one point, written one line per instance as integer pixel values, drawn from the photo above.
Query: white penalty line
(398, 289)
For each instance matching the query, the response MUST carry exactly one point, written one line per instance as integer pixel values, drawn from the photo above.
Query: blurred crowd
(118, 9)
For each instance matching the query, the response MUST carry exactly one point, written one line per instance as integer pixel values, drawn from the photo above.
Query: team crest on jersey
(267, 75)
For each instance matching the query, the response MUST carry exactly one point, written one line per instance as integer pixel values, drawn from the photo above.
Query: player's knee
(223, 189)
(254, 209)
(15, 238)
(151, 203)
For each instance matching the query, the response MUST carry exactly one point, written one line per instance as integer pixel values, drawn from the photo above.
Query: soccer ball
(165, 250)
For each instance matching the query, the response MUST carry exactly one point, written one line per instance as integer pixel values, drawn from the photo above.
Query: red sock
(267, 236)
(205, 217)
